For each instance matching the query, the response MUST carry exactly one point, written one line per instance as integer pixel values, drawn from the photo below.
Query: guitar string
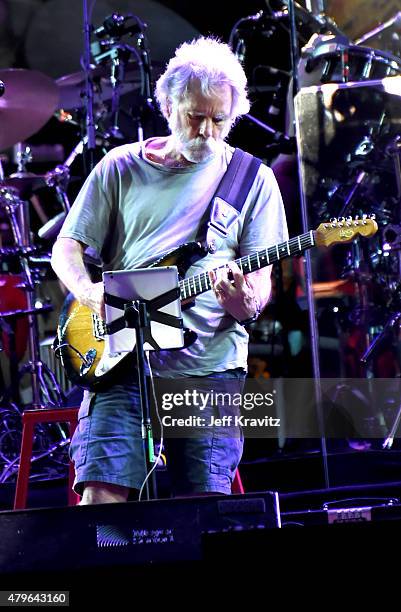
(251, 262)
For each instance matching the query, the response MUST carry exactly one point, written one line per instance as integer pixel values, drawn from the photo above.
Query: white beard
(198, 150)
(195, 150)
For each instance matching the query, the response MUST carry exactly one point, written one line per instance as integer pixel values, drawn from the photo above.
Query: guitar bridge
(89, 358)
(99, 327)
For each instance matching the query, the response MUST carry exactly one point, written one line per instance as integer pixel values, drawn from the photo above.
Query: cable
(12, 465)
(161, 428)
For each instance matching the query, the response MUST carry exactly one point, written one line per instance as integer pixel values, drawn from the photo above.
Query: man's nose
(206, 128)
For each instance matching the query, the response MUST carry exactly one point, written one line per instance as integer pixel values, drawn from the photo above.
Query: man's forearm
(67, 262)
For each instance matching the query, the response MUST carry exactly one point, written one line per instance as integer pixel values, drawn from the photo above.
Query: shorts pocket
(79, 443)
(227, 441)
(226, 455)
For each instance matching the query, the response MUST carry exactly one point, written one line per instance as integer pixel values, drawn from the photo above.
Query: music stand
(146, 300)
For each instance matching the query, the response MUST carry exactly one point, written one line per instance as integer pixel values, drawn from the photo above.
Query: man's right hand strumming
(92, 296)
(67, 262)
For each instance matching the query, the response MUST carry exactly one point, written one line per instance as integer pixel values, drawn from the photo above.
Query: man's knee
(103, 493)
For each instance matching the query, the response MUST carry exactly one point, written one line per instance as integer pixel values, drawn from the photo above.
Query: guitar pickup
(99, 327)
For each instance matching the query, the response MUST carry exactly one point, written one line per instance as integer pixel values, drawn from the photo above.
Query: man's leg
(106, 447)
(103, 493)
(205, 462)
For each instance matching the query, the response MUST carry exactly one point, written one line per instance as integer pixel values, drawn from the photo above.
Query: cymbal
(24, 182)
(72, 86)
(27, 182)
(29, 101)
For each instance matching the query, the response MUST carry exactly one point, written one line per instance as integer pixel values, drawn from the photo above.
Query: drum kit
(349, 146)
(31, 98)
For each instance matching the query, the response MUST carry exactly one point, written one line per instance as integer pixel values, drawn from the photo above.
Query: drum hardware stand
(314, 334)
(388, 328)
(352, 192)
(388, 442)
(35, 366)
(316, 7)
(114, 27)
(396, 20)
(285, 144)
(8, 327)
(394, 149)
(57, 179)
(43, 381)
(119, 55)
(22, 157)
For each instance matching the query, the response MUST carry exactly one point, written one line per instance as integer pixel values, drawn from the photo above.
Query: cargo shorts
(107, 444)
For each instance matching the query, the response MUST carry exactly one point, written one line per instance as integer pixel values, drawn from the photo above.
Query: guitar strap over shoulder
(229, 198)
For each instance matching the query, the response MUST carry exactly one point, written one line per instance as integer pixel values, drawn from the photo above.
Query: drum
(12, 298)
(338, 63)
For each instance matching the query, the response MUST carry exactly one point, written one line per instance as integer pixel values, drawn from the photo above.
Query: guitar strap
(229, 199)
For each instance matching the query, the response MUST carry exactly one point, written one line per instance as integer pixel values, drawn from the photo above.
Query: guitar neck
(195, 285)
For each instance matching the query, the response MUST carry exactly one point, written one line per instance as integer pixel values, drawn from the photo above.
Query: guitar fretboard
(195, 285)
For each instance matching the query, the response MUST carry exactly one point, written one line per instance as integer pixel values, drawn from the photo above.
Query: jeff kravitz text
(225, 421)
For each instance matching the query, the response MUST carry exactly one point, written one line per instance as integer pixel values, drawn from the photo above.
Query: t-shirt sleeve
(265, 223)
(89, 219)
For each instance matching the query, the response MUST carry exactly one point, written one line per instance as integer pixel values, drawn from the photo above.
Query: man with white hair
(140, 201)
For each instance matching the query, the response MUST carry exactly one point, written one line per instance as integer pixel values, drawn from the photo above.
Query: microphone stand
(90, 120)
(146, 107)
(314, 334)
(284, 143)
(387, 329)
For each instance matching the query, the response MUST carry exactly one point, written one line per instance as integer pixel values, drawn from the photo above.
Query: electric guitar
(82, 341)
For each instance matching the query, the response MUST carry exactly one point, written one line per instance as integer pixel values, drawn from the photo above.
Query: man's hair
(212, 64)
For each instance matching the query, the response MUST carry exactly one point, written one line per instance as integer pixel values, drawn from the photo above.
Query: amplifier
(360, 511)
(132, 533)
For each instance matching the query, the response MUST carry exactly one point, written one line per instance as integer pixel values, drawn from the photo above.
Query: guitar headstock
(345, 229)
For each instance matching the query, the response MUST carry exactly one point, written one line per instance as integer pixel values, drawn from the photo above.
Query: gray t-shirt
(131, 211)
